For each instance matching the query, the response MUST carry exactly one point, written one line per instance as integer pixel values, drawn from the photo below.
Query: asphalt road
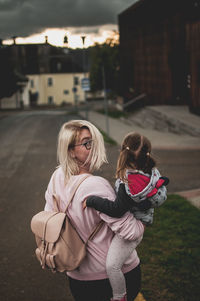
(27, 159)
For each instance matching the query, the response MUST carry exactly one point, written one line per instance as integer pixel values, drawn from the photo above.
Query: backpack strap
(57, 205)
(95, 231)
(56, 199)
(75, 189)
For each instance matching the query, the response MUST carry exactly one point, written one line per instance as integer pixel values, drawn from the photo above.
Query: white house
(54, 88)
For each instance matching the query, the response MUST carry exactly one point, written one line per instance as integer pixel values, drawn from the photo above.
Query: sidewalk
(192, 195)
(179, 117)
(160, 139)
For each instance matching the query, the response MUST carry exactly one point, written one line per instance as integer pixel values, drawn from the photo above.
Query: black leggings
(100, 290)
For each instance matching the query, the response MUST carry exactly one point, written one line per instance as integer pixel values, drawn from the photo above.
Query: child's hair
(135, 154)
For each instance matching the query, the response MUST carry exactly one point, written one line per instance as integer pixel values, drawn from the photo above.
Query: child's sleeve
(159, 194)
(145, 216)
(116, 208)
(159, 197)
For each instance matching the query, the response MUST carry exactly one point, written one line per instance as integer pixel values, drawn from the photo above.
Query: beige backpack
(59, 246)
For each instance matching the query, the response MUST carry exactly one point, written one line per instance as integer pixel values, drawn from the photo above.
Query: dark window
(50, 100)
(50, 81)
(32, 83)
(76, 81)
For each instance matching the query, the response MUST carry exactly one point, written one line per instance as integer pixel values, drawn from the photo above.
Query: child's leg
(118, 252)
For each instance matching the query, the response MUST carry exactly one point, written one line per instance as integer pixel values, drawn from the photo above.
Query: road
(27, 159)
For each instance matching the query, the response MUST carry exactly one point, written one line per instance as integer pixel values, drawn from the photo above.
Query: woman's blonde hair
(135, 154)
(67, 138)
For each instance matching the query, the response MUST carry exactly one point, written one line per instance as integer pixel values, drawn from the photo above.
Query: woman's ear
(72, 154)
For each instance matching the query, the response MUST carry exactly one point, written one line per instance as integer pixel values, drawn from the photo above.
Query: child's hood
(140, 183)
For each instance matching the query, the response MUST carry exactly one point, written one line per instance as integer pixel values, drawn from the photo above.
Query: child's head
(135, 154)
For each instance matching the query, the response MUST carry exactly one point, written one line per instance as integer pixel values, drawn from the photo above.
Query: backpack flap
(47, 225)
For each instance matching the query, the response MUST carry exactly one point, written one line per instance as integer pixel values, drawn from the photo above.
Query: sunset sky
(31, 20)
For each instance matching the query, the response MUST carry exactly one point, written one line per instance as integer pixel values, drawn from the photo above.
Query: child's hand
(84, 204)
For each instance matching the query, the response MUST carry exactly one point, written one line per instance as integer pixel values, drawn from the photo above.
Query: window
(50, 100)
(32, 83)
(76, 81)
(50, 81)
(66, 92)
(59, 66)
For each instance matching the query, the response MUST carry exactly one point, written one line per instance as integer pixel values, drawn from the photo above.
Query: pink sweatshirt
(93, 266)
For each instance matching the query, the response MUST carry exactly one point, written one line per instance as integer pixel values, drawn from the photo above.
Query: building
(54, 89)
(160, 52)
(54, 73)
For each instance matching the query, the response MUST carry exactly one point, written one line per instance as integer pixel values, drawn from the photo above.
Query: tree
(104, 56)
(11, 79)
(8, 79)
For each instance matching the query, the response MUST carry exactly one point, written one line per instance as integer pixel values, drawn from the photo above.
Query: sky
(31, 20)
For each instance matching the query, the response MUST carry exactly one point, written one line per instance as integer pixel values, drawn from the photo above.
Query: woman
(81, 151)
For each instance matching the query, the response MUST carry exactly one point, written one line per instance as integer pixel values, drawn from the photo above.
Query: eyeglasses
(87, 144)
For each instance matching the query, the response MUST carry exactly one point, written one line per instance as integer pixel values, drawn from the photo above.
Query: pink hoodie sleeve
(127, 227)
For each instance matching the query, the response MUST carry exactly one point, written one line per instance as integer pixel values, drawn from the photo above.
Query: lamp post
(105, 101)
(84, 74)
(74, 89)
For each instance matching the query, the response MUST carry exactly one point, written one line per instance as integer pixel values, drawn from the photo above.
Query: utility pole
(105, 101)
(84, 72)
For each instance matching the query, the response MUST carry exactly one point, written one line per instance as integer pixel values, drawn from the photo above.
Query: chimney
(46, 39)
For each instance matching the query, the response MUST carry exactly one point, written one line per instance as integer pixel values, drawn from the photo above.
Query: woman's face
(80, 152)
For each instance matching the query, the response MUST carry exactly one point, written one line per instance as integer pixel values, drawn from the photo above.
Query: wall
(12, 102)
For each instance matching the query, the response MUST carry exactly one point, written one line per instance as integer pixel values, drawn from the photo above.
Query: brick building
(160, 52)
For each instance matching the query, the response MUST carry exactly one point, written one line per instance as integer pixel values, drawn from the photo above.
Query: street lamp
(74, 89)
(84, 72)
(105, 100)
(83, 41)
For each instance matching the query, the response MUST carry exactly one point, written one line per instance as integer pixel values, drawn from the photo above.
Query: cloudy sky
(25, 18)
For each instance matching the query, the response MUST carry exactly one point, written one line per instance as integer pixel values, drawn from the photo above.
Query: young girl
(140, 189)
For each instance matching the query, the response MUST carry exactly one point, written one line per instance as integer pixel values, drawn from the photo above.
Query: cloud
(26, 17)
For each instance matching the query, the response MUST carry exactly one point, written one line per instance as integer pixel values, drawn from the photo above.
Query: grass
(170, 253)
(114, 113)
(107, 139)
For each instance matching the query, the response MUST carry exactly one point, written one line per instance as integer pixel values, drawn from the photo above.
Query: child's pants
(119, 251)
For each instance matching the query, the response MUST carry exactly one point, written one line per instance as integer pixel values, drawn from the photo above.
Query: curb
(193, 196)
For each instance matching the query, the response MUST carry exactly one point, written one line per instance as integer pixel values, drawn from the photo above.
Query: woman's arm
(127, 226)
(121, 204)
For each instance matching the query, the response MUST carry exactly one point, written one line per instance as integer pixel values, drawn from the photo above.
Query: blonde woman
(81, 151)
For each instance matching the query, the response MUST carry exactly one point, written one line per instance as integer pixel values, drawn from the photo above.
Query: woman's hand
(84, 204)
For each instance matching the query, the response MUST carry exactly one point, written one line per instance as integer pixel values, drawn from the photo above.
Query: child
(139, 188)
